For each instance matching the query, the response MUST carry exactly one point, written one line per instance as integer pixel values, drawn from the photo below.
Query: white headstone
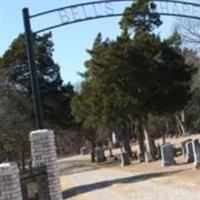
(167, 155)
(10, 188)
(43, 152)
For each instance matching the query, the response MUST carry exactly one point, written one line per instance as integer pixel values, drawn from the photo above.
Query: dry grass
(182, 174)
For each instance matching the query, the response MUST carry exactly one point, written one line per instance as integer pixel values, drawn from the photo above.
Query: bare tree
(190, 32)
(16, 120)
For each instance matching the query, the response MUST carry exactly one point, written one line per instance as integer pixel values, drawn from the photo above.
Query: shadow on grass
(103, 184)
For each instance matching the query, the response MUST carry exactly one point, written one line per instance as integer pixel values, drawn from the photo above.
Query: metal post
(33, 71)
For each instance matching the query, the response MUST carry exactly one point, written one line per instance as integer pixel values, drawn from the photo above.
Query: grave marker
(167, 155)
(196, 150)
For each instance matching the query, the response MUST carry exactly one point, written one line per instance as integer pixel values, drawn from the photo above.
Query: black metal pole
(33, 71)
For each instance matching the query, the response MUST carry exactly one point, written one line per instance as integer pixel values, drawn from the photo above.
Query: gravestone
(167, 155)
(196, 150)
(189, 152)
(125, 159)
(183, 146)
(100, 155)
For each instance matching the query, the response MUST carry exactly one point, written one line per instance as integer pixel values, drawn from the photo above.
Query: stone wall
(10, 188)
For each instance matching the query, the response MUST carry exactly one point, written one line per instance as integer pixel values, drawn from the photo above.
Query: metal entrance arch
(179, 9)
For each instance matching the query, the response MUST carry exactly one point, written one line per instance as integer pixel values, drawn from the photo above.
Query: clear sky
(71, 41)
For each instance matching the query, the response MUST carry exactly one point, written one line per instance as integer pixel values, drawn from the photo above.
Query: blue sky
(71, 41)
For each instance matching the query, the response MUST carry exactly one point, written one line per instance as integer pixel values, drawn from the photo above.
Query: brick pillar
(43, 152)
(10, 188)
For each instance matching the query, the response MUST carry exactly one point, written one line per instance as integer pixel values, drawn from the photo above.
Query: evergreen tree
(138, 17)
(86, 106)
(135, 77)
(54, 94)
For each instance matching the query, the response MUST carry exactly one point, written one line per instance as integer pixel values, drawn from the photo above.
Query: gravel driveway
(80, 182)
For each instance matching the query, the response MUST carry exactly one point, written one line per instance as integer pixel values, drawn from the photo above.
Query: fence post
(10, 188)
(43, 152)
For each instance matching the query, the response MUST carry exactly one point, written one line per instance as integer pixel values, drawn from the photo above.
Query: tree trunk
(127, 146)
(166, 132)
(93, 145)
(181, 125)
(126, 140)
(149, 150)
(163, 138)
(141, 143)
